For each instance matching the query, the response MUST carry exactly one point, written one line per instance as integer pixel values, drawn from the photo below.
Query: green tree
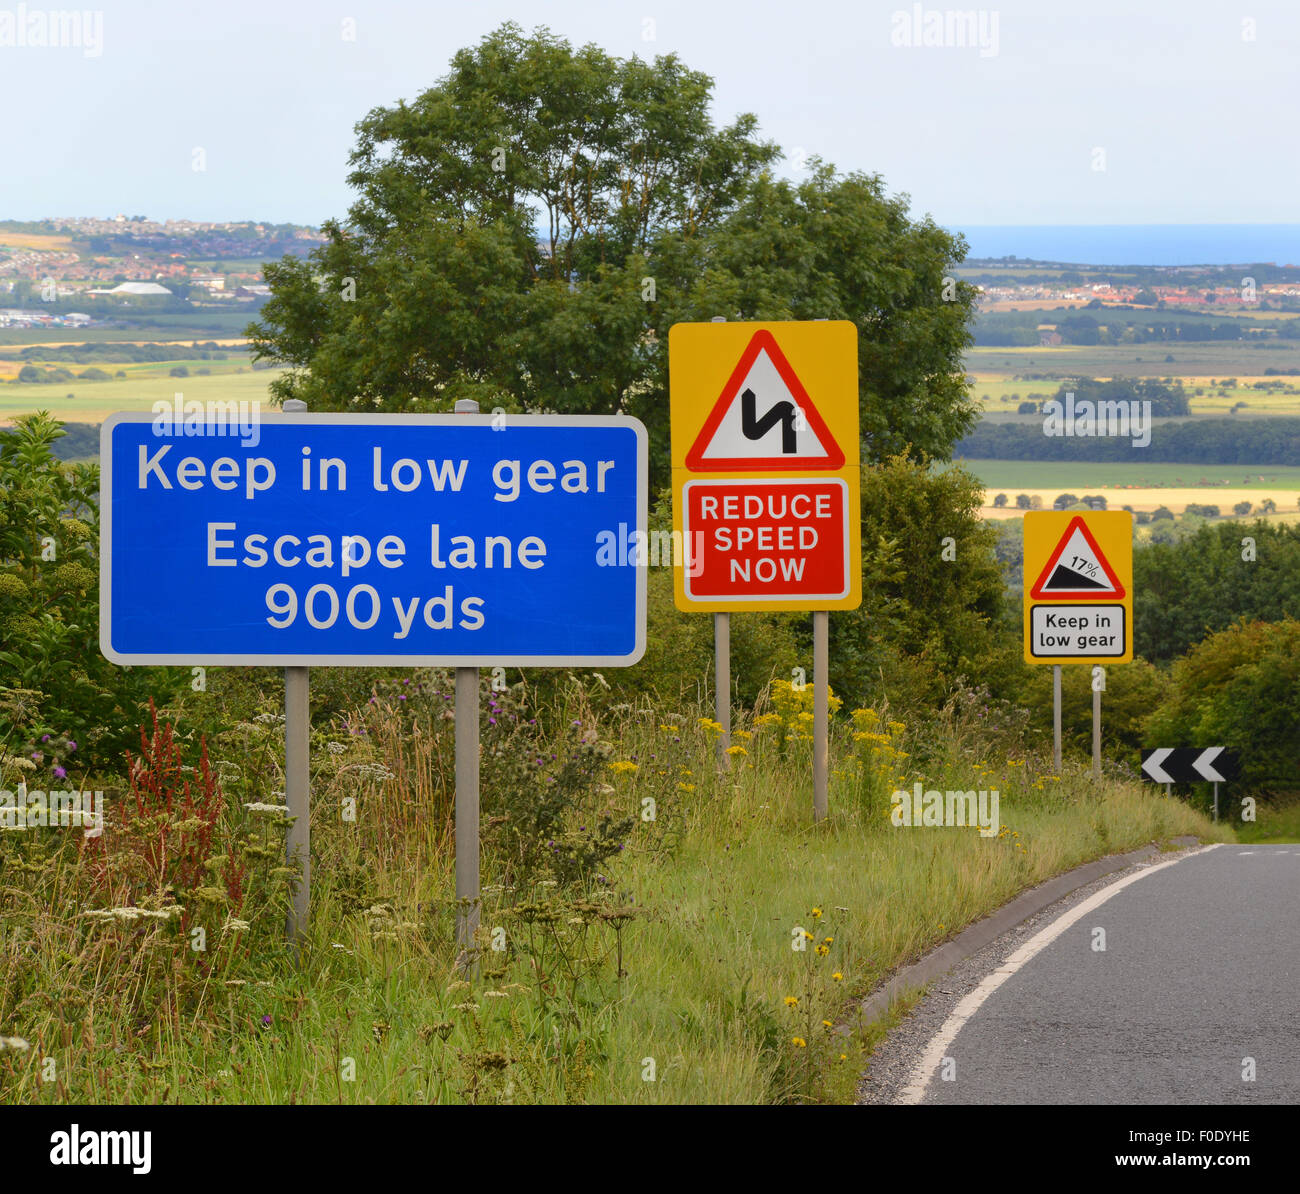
(530, 228)
(1207, 580)
(1240, 688)
(932, 591)
(49, 605)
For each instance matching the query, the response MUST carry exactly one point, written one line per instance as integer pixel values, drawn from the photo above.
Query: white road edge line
(937, 1049)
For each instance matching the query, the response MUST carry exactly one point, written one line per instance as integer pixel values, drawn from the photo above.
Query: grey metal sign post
(1056, 716)
(722, 668)
(821, 713)
(1098, 687)
(467, 798)
(722, 684)
(297, 773)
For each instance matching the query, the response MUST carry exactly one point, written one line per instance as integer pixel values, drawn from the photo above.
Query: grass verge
(653, 930)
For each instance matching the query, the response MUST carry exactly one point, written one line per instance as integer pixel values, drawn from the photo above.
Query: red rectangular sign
(766, 540)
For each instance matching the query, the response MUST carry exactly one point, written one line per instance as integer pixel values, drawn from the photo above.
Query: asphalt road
(1201, 970)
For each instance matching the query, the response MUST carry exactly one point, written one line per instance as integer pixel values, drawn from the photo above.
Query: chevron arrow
(1203, 764)
(1151, 765)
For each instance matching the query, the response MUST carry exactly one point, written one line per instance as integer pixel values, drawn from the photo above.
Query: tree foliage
(528, 230)
(57, 680)
(926, 621)
(1203, 583)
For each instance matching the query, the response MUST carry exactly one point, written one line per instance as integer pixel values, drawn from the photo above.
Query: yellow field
(94, 401)
(35, 240)
(184, 343)
(9, 368)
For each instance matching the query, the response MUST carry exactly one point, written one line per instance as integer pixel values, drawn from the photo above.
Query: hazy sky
(1188, 103)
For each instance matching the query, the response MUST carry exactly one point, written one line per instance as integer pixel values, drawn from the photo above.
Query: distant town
(84, 271)
(116, 264)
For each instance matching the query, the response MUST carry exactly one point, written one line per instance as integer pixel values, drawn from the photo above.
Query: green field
(202, 324)
(1231, 358)
(1006, 376)
(144, 385)
(1082, 475)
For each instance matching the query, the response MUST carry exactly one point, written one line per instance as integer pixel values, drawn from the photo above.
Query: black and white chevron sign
(1189, 764)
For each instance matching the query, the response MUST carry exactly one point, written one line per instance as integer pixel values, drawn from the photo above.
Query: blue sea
(1138, 244)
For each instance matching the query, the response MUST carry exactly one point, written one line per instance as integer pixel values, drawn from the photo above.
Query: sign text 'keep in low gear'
(1078, 586)
(456, 540)
(766, 465)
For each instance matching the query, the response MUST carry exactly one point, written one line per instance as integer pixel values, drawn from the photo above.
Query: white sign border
(308, 419)
(1090, 608)
(759, 602)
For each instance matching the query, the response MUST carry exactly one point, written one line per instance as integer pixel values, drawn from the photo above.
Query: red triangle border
(761, 340)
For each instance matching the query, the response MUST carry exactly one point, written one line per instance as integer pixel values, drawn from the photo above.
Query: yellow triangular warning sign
(1077, 569)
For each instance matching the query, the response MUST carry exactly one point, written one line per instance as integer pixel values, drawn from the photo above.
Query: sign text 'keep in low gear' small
(1078, 570)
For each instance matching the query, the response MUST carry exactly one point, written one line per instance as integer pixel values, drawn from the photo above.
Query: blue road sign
(333, 539)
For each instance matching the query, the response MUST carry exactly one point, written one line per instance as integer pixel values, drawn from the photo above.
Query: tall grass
(654, 929)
